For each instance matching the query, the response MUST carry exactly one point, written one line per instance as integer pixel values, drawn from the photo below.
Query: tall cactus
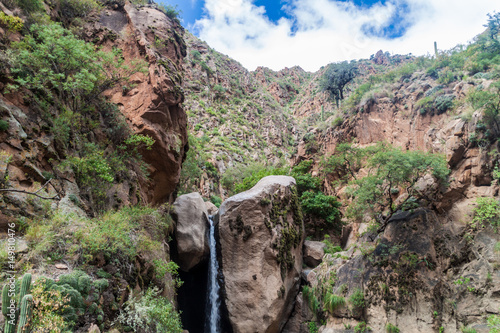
(9, 327)
(26, 307)
(5, 300)
(25, 286)
(25, 315)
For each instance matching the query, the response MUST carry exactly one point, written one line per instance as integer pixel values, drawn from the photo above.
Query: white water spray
(213, 286)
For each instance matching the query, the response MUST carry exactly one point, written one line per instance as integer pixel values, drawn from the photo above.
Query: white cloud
(326, 31)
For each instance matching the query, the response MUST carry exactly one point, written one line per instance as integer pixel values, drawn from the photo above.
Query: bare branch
(33, 193)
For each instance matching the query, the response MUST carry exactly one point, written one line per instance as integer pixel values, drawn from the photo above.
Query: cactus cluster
(81, 291)
(20, 315)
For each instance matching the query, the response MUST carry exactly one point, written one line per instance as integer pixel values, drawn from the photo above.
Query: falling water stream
(213, 309)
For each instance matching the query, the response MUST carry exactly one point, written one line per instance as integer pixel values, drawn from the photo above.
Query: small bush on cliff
(494, 323)
(171, 11)
(70, 9)
(4, 125)
(487, 212)
(151, 312)
(321, 205)
(243, 177)
(12, 23)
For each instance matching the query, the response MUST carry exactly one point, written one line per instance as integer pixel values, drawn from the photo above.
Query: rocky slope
(71, 171)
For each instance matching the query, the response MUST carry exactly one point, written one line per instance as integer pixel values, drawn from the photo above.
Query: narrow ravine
(213, 302)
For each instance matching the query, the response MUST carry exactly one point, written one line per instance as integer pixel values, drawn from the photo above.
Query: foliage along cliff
(92, 131)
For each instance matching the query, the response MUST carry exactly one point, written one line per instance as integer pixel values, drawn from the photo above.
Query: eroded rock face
(152, 100)
(191, 231)
(419, 275)
(261, 235)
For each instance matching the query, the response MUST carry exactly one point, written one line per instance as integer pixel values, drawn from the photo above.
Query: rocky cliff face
(152, 103)
(420, 275)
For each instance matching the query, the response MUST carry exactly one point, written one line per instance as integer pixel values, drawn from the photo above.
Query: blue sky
(313, 33)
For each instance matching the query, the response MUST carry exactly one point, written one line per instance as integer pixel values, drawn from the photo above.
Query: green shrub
(330, 247)
(447, 76)
(443, 103)
(434, 90)
(70, 9)
(111, 235)
(93, 171)
(216, 200)
(306, 182)
(171, 11)
(355, 98)
(362, 328)
(256, 171)
(464, 329)
(494, 323)
(333, 302)
(4, 125)
(151, 312)
(404, 168)
(321, 205)
(479, 98)
(425, 105)
(30, 6)
(357, 299)
(56, 64)
(196, 54)
(390, 328)
(12, 23)
(312, 326)
(487, 211)
(101, 285)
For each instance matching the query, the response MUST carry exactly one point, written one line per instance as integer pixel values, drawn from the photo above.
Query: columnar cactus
(25, 286)
(5, 300)
(9, 327)
(25, 315)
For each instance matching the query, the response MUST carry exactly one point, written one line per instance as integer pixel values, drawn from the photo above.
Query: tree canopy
(336, 77)
(393, 170)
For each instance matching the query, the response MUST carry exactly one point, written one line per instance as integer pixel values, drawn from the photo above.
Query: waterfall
(213, 310)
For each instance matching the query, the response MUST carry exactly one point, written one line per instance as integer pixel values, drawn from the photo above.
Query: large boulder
(313, 253)
(191, 231)
(261, 236)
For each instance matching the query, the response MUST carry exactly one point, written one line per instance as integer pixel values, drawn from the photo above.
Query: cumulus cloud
(314, 33)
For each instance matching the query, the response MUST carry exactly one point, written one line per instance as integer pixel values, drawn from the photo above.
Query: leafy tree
(392, 169)
(346, 161)
(491, 111)
(336, 77)
(54, 63)
(321, 205)
(493, 26)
